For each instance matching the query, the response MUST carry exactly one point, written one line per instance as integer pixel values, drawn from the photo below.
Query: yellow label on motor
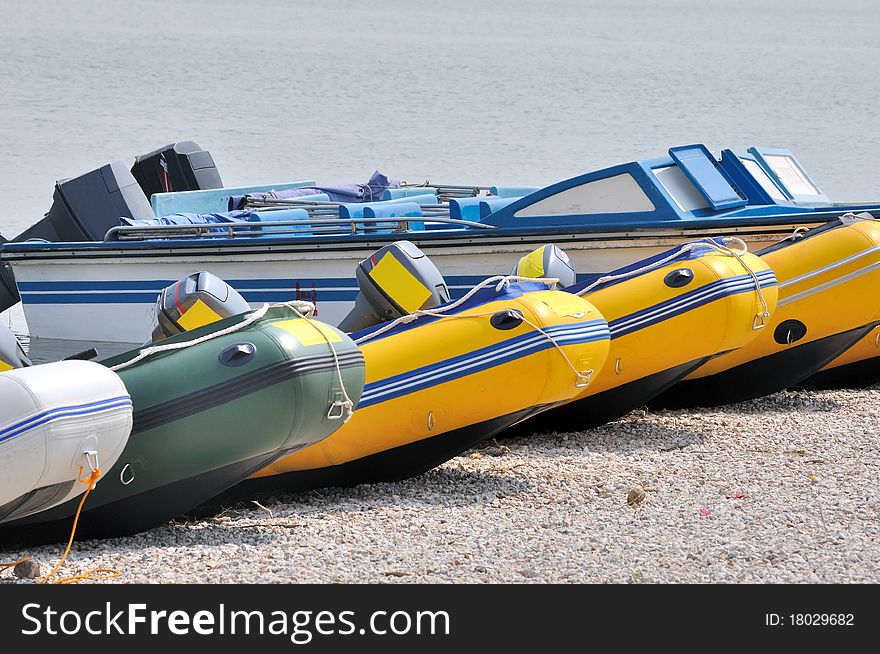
(198, 315)
(399, 283)
(309, 332)
(532, 265)
(4, 366)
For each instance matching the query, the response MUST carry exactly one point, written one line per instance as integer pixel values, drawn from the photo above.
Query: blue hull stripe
(254, 290)
(687, 302)
(480, 360)
(51, 415)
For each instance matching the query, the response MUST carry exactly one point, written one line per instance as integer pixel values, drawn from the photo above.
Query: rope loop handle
(340, 409)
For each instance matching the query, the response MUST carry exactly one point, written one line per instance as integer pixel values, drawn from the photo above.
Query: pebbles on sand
(782, 489)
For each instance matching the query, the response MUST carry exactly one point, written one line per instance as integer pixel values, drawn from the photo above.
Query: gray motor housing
(85, 207)
(391, 288)
(8, 290)
(547, 261)
(204, 294)
(11, 352)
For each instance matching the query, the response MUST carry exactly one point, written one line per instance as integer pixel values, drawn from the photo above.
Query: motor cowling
(12, 354)
(547, 261)
(181, 166)
(394, 281)
(194, 301)
(8, 290)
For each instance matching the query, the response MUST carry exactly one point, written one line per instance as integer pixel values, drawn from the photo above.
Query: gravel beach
(782, 489)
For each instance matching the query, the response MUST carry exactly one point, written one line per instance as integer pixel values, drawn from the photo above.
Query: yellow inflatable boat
(668, 315)
(828, 302)
(439, 385)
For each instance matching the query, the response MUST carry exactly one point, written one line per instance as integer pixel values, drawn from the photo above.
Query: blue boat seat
(408, 192)
(213, 200)
(488, 205)
(268, 217)
(512, 191)
(396, 210)
(465, 208)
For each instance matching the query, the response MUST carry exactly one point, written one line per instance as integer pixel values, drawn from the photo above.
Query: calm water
(521, 92)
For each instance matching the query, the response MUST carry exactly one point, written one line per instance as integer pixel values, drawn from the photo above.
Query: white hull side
(93, 313)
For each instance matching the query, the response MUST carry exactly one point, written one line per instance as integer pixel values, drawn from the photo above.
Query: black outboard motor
(8, 291)
(395, 280)
(182, 166)
(85, 207)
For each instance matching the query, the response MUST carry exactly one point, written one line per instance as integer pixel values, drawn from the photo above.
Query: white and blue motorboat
(304, 243)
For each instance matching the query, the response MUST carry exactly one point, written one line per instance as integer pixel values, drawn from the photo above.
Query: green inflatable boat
(211, 407)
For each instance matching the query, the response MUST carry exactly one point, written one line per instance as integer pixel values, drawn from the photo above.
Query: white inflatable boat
(57, 421)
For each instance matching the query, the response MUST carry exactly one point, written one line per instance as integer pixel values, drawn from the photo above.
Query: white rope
(687, 247)
(503, 281)
(346, 405)
(302, 308)
(582, 378)
(797, 233)
(848, 217)
(170, 347)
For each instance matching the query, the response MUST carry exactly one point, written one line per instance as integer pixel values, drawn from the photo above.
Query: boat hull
(665, 322)
(107, 293)
(827, 304)
(759, 377)
(610, 404)
(858, 367)
(391, 465)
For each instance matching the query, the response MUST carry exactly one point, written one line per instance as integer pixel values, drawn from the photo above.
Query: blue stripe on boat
(331, 289)
(480, 360)
(50, 415)
(689, 301)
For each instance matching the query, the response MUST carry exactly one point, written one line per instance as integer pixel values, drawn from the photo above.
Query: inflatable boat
(828, 302)
(668, 315)
(492, 364)
(444, 379)
(211, 406)
(59, 423)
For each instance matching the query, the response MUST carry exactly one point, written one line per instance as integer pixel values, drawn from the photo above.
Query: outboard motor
(8, 290)
(195, 301)
(12, 355)
(85, 207)
(547, 261)
(182, 166)
(394, 281)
